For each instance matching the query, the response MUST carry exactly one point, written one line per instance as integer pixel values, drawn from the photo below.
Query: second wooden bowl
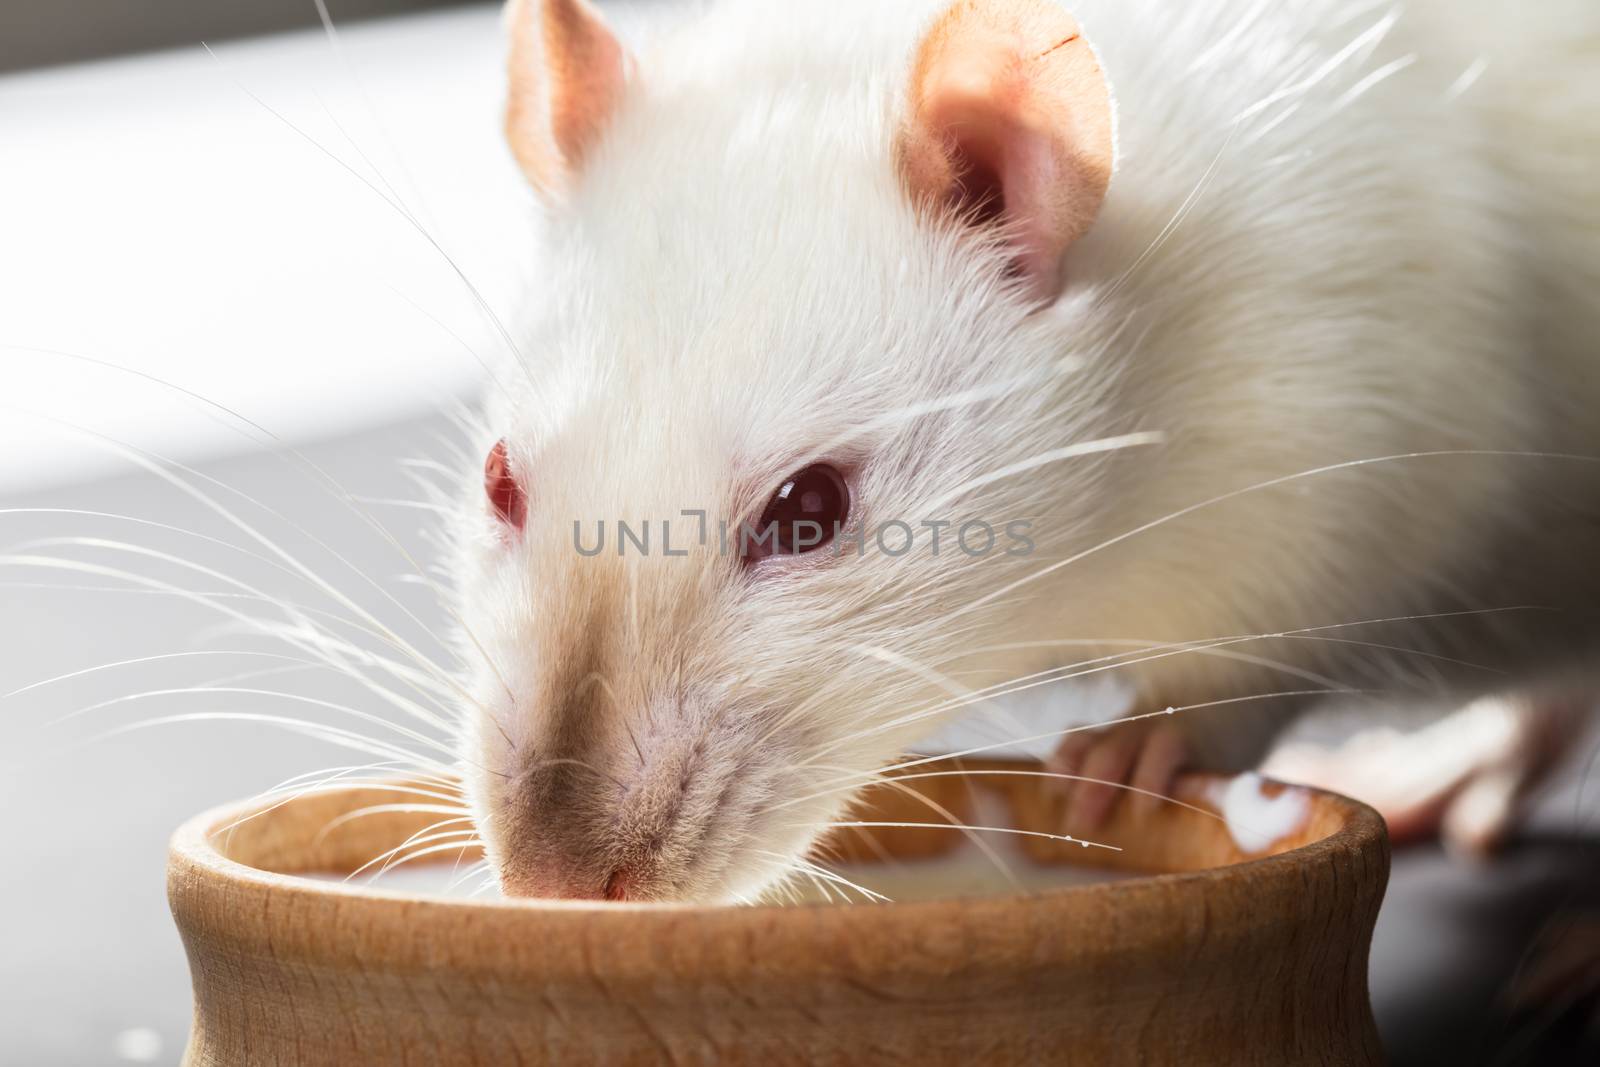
(1229, 958)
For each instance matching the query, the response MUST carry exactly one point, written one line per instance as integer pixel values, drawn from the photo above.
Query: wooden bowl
(1233, 959)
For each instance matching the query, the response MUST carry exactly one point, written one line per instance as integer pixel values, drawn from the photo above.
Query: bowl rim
(197, 863)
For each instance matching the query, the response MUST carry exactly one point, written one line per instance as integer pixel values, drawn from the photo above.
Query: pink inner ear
(1002, 167)
(567, 75)
(1010, 121)
(587, 73)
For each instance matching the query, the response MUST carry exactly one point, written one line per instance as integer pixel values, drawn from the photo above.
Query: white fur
(1310, 254)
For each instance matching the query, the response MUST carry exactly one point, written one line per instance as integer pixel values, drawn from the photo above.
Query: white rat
(1133, 284)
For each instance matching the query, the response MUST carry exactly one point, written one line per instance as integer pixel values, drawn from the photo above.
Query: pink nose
(552, 882)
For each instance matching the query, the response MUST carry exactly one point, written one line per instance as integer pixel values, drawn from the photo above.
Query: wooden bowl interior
(341, 831)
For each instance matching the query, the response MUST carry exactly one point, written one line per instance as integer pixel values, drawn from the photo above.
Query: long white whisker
(173, 474)
(321, 731)
(297, 698)
(1055, 455)
(981, 829)
(873, 779)
(159, 466)
(1257, 487)
(978, 750)
(309, 641)
(147, 659)
(472, 290)
(944, 813)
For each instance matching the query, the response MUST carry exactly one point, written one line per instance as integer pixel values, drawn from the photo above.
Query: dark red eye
(506, 494)
(804, 514)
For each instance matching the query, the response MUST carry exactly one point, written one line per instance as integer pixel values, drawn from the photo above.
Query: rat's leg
(1463, 777)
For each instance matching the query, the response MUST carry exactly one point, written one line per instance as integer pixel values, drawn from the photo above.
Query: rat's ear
(567, 74)
(1009, 119)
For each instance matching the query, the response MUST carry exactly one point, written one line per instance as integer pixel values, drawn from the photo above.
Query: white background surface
(156, 214)
(221, 222)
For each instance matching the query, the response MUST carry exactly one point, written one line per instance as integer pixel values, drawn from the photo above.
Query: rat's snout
(640, 810)
(552, 835)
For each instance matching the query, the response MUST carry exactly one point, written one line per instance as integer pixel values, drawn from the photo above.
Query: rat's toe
(1164, 753)
(1104, 771)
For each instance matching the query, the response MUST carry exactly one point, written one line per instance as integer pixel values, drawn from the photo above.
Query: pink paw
(1134, 760)
(1463, 777)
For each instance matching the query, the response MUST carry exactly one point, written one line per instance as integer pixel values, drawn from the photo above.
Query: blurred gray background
(40, 33)
(253, 226)
(256, 227)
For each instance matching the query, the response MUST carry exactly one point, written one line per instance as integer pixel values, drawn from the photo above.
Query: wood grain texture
(1237, 960)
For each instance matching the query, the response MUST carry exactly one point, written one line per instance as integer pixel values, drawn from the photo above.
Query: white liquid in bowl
(992, 865)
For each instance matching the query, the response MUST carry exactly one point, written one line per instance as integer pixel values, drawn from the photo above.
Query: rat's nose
(550, 854)
(552, 879)
(617, 815)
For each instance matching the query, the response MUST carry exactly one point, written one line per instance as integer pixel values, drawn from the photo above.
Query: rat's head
(794, 315)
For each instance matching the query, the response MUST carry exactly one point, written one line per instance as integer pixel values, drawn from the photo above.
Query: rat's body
(1327, 239)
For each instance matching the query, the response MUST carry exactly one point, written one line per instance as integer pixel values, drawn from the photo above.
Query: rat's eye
(506, 495)
(804, 514)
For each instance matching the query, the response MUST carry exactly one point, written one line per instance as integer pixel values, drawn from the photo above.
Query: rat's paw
(1463, 777)
(1127, 762)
